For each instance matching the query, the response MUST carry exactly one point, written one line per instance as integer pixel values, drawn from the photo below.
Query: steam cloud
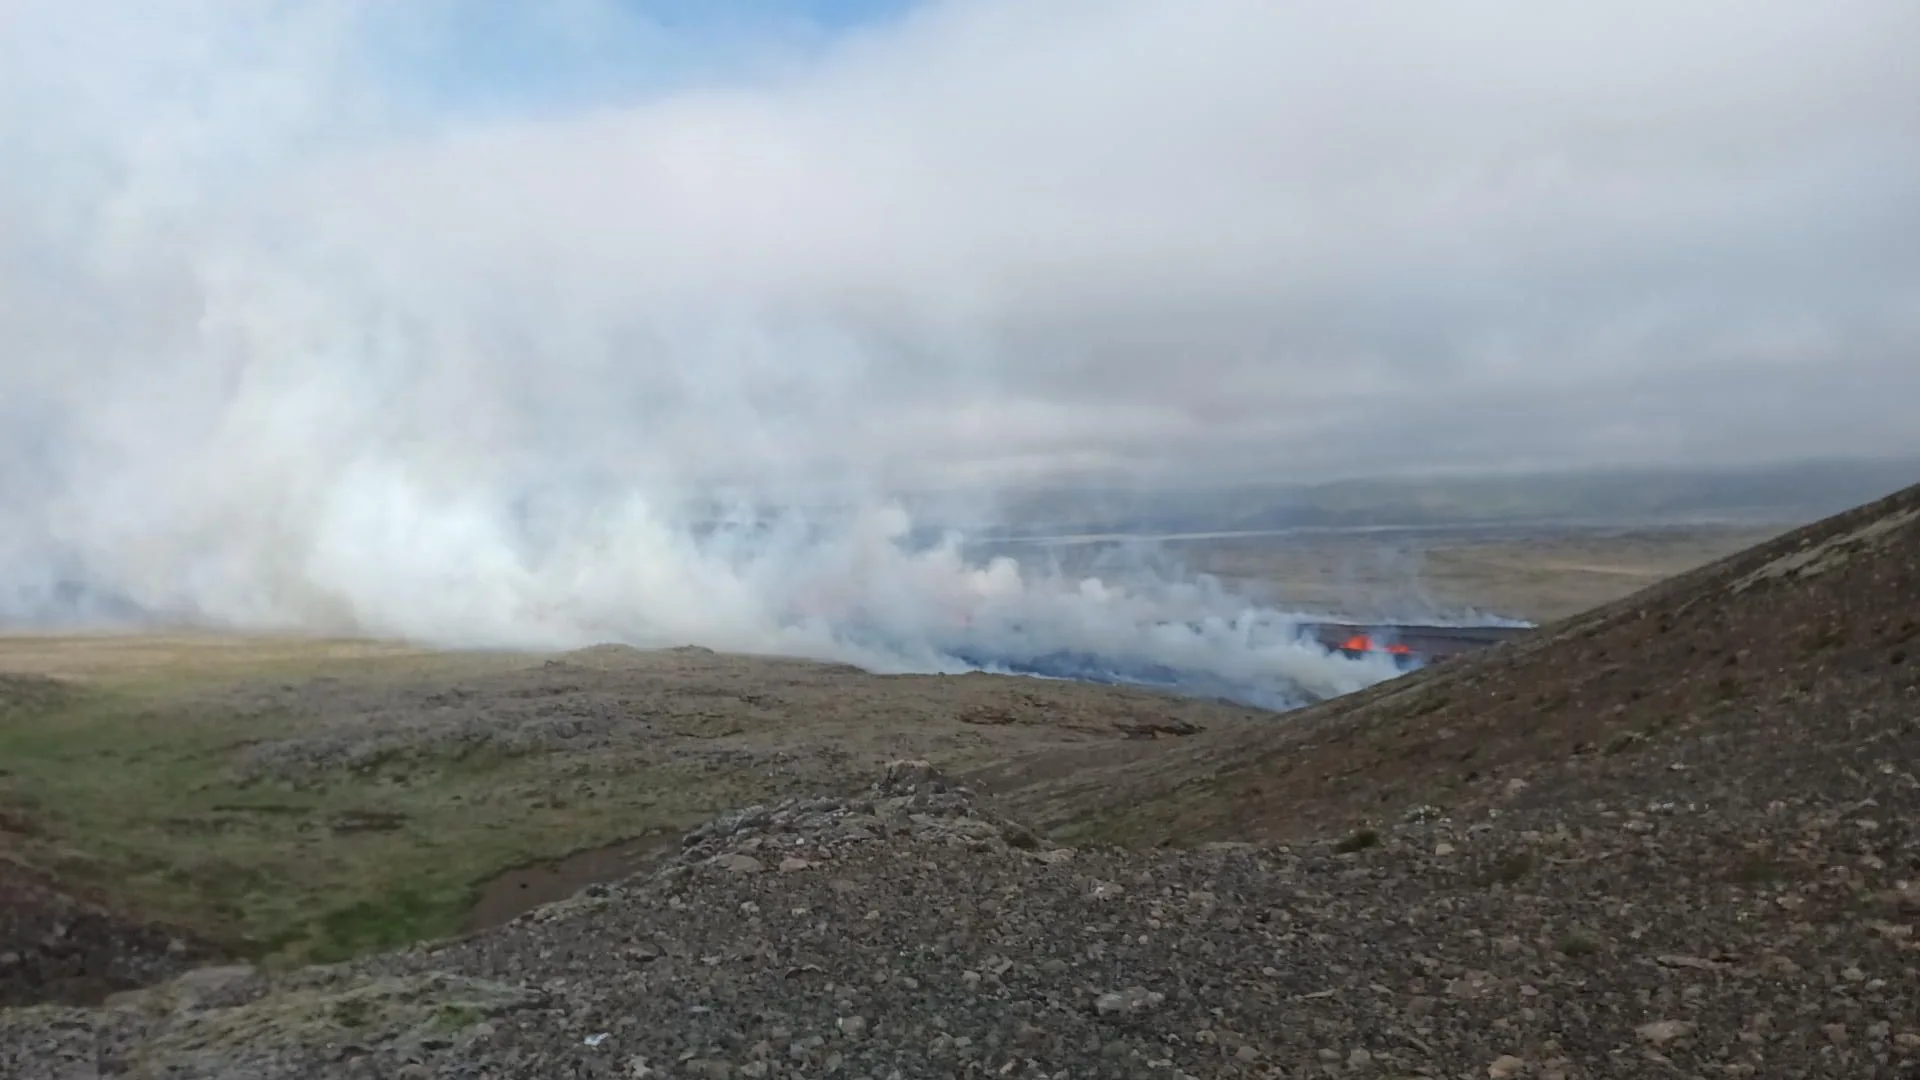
(297, 338)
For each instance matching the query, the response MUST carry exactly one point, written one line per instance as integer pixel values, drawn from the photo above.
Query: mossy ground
(123, 786)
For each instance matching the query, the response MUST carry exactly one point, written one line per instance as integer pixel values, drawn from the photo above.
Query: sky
(278, 277)
(968, 241)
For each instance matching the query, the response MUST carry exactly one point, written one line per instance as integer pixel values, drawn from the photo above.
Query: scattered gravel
(910, 932)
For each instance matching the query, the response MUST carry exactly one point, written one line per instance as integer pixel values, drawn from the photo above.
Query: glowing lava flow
(1362, 643)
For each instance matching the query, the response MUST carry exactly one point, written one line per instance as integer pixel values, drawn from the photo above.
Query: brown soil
(57, 947)
(523, 888)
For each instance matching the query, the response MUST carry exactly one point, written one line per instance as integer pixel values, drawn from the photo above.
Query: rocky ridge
(909, 931)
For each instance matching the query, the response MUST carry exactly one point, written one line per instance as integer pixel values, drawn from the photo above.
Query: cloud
(295, 320)
(1101, 232)
(1160, 224)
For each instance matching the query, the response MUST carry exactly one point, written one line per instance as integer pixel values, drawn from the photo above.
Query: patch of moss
(1579, 942)
(131, 783)
(1756, 868)
(351, 1013)
(398, 917)
(1359, 840)
(457, 1017)
(1513, 869)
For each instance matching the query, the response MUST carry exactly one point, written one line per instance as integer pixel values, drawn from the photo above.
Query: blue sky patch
(508, 56)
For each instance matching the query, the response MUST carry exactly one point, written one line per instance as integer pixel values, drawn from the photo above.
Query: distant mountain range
(1788, 493)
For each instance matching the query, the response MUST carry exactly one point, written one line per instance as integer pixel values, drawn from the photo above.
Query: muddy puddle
(515, 892)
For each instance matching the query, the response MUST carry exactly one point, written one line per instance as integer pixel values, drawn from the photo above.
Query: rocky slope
(1802, 644)
(907, 932)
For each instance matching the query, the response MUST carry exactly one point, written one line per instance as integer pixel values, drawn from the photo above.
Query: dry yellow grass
(118, 657)
(1536, 577)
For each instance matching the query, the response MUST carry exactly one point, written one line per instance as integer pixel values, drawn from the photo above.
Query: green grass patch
(131, 793)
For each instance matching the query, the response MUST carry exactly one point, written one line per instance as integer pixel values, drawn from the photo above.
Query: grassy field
(1535, 573)
(301, 802)
(1538, 575)
(128, 779)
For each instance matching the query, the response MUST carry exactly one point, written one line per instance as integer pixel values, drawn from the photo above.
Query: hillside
(289, 800)
(1777, 658)
(1679, 836)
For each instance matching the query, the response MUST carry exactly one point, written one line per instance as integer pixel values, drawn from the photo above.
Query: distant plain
(1535, 573)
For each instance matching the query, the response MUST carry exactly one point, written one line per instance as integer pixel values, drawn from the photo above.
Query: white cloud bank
(284, 341)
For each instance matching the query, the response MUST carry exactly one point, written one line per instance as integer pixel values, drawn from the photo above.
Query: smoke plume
(312, 320)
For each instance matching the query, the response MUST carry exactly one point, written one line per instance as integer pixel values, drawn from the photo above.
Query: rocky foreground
(908, 932)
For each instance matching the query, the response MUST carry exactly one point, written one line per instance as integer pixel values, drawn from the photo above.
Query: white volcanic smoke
(270, 368)
(296, 334)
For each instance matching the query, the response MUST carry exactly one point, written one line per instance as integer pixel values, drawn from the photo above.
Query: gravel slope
(908, 932)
